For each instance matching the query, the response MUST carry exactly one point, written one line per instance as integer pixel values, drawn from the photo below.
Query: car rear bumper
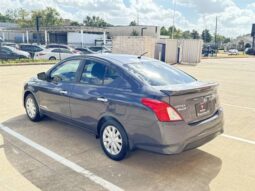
(177, 137)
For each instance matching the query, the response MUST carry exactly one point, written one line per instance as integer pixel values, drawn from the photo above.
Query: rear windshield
(157, 73)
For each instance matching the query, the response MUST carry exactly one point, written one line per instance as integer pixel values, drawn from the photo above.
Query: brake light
(163, 111)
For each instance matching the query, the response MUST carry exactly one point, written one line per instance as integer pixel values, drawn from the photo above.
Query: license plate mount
(202, 108)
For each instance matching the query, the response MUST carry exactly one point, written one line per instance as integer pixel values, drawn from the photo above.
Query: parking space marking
(239, 139)
(238, 106)
(96, 179)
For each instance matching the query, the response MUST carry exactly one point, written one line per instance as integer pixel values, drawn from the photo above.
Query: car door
(95, 92)
(54, 93)
(56, 53)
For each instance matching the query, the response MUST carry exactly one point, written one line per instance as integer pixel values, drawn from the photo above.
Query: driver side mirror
(42, 76)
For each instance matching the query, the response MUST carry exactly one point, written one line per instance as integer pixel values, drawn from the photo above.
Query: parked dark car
(129, 102)
(31, 49)
(99, 49)
(7, 53)
(85, 51)
(250, 51)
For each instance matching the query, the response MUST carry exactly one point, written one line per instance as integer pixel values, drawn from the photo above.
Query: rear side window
(157, 73)
(97, 73)
(56, 50)
(93, 73)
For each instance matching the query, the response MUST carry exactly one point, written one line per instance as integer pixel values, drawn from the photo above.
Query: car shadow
(141, 170)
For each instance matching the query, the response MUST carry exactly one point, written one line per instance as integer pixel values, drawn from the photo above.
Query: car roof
(118, 59)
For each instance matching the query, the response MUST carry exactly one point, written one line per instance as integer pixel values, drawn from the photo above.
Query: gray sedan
(128, 102)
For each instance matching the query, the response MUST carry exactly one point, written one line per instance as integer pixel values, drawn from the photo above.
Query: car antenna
(139, 57)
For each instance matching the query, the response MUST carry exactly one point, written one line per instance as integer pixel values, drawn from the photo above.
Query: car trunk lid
(194, 101)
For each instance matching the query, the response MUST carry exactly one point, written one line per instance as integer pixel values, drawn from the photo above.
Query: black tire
(125, 146)
(52, 58)
(38, 116)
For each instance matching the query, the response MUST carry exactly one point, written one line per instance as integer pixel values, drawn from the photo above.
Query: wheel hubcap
(30, 107)
(112, 140)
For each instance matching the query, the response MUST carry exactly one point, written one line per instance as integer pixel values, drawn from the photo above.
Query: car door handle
(102, 99)
(63, 92)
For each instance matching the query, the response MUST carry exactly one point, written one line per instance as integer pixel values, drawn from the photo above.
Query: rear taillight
(41, 54)
(163, 111)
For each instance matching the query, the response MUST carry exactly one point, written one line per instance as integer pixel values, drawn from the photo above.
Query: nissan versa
(128, 102)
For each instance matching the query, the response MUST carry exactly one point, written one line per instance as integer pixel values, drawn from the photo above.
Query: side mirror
(42, 76)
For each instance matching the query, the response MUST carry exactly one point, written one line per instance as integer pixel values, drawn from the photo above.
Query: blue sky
(235, 16)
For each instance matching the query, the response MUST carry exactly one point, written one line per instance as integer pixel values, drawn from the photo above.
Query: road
(226, 163)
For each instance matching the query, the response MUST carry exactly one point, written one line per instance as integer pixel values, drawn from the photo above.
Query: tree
(177, 34)
(134, 33)
(164, 31)
(95, 21)
(247, 45)
(170, 30)
(6, 18)
(186, 35)
(194, 34)
(206, 36)
(48, 17)
(74, 23)
(23, 18)
(132, 23)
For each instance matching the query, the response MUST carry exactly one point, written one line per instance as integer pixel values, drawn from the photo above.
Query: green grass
(26, 61)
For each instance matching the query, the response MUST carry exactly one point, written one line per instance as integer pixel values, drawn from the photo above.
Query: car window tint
(93, 73)
(6, 50)
(113, 79)
(66, 51)
(157, 73)
(66, 72)
(56, 50)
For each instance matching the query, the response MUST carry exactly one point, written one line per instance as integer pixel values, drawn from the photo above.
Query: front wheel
(32, 108)
(114, 140)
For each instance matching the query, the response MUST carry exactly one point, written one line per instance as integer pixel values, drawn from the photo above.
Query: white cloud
(233, 20)
(207, 6)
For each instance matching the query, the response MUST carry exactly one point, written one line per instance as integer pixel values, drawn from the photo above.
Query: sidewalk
(10, 179)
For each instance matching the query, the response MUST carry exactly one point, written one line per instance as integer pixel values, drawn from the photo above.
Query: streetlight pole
(174, 4)
(215, 37)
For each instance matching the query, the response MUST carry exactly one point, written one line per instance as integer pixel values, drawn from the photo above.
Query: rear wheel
(114, 140)
(52, 58)
(32, 108)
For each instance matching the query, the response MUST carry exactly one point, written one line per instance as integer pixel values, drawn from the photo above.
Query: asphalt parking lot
(226, 163)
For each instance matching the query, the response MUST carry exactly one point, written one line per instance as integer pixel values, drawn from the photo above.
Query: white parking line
(98, 180)
(238, 106)
(239, 139)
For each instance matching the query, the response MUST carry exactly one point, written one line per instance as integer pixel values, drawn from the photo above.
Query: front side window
(157, 73)
(66, 72)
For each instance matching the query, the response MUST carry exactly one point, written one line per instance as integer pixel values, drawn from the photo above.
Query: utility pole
(37, 24)
(215, 36)
(174, 4)
(137, 12)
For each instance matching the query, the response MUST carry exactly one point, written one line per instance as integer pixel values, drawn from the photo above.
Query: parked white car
(233, 52)
(54, 54)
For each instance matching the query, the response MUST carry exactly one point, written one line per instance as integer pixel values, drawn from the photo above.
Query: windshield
(157, 73)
